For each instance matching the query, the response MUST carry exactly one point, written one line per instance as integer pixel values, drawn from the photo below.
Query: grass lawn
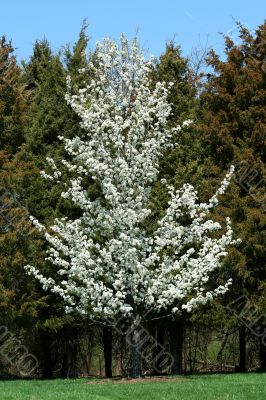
(251, 386)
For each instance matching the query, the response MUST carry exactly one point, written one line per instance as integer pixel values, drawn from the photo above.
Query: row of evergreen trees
(229, 127)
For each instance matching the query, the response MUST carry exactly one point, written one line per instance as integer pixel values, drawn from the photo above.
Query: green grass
(205, 387)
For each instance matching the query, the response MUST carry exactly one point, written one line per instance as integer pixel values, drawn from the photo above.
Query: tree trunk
(69, 351)
(63, 372)
(224, 342)
(135, 361)
(73, 358)
(263, 354)
(242, 349)
(47, 368)
(107, 347)
(176, 331)
(157, 355)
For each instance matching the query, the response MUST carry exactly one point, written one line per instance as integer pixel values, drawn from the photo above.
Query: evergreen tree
(49, 117)
(234, 124)
(13, 99)
(76, 59)
(19, 298)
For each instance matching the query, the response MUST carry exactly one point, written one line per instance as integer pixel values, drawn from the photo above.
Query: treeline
(227, 103)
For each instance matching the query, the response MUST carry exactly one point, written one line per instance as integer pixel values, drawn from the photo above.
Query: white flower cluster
(56, 173)
(105, 261)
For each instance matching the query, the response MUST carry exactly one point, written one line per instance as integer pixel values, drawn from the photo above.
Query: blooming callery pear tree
(106, 263)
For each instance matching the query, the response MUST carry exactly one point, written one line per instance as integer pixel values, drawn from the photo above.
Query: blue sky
(191, 22)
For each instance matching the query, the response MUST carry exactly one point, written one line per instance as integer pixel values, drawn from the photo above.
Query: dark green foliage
(13, 99)
(233, 128)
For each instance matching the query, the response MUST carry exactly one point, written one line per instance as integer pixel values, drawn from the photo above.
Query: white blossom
(106, 263)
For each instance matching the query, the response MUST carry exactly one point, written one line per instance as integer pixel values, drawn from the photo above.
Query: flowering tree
(106, 263)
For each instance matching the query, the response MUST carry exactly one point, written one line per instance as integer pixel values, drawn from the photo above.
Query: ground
(250, 386)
